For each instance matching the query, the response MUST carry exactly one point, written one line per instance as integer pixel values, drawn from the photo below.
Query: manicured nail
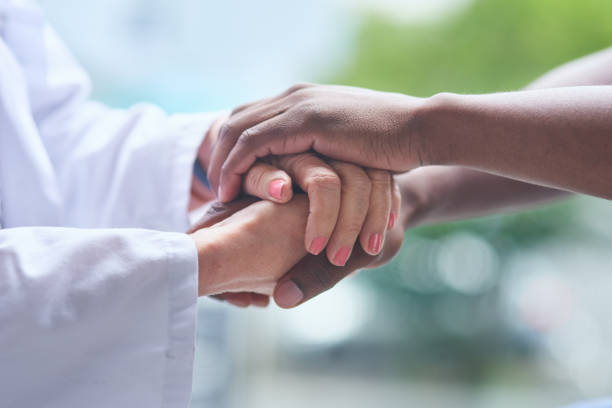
(288, 294)
(374, 243)
(276, 188)
(391, 220)
(342, 256)
(317, 245)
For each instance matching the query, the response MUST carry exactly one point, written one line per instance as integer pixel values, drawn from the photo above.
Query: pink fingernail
(317, 245)
(374, 243)
(276, 188)
(288, 294)
(391, 220)
(342, 256)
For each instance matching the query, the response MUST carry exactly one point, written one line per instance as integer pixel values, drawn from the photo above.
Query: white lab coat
(93, 312)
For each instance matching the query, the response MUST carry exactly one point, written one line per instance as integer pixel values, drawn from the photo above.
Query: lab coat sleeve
(96, 318)
(125, 168)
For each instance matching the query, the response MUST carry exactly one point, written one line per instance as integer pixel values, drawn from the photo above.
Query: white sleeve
(113, 167)
(96, 318)
(125, 168)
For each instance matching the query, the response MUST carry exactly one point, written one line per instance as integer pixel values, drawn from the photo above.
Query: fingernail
(276, 188)
(317, 245)
(288, 294)
(342, 256)
(374, 243)
(391, 220)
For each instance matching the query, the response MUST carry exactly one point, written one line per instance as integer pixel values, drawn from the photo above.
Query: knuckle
(324, 181)
(239, 108)
(247, 138)
(255, 178)
(351, 228)
(297, 162)
(380, 177)
(310, 111)
(297, 87)
(354, 178)
(224, 169)
(226, 130)
(361, 183)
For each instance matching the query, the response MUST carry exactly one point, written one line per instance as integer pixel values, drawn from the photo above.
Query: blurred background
(506, 311)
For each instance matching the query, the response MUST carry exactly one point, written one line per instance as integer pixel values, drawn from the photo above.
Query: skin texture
(346, 202)
(443, 193)
(239, 225)
(436, 194)
(347, 124)
(552, 137)
(558, 138)
(232, 256)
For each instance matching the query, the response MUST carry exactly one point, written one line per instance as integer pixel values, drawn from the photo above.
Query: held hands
(368, 128)
(261, 268)
(250, 249)
(346, 202)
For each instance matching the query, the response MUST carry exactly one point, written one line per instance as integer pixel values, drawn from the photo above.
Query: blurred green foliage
(491, 45)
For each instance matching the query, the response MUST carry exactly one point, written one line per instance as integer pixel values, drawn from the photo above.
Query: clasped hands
(320, 217)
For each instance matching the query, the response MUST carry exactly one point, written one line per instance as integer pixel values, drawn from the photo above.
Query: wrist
(437, 123)
(208, 262)
(415, 199)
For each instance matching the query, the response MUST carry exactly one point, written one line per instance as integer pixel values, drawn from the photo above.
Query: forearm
(557, 137)
(468, 193)
(437, 194)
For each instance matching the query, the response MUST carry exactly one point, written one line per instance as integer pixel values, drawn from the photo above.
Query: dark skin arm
(552, 137)
(445, 193)
(437, 194)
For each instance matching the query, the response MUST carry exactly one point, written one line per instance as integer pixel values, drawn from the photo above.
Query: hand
(312, 275)
(251, 249)
(215, 213)
(368, 128)
(346, 201)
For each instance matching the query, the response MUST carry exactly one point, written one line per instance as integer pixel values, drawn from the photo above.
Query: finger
(395, 233)
(242, 299)
(260, 300)
(210, 139)
(228, 135)
(355, 201)
(314, 275)
(396, 204)
(276, 136)
(268, 183)
(265, 101)
(322, 184)
(218, 211)
(375, 226)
